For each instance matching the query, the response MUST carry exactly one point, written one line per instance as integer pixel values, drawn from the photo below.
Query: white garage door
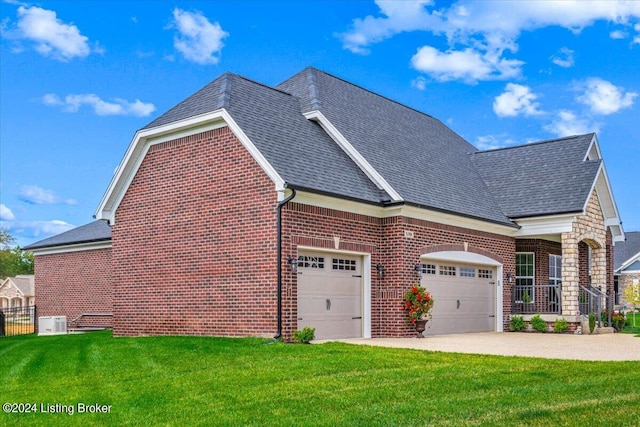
(464, 297)
(330, 294)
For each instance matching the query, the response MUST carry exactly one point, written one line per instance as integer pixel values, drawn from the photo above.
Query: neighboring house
(256, 210)
(626, 265)
(17, 291)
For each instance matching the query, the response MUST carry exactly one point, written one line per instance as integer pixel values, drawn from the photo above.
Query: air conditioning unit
(52, 325)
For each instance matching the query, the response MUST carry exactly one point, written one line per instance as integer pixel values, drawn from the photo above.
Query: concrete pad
(603, 347)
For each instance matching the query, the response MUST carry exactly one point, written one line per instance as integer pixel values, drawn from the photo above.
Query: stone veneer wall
(588, 227)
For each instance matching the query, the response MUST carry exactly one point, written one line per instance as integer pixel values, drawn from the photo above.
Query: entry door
(330, 294)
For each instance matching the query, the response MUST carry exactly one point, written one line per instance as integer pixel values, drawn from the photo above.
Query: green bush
(592, 322)
(517, 324)
(538, 324)
(305, 336)
(560, 325)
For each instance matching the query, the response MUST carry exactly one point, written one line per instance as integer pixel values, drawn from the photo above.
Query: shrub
(538, 323)
(305, 336)
(560, 326)
(592, 322)
(517, 324)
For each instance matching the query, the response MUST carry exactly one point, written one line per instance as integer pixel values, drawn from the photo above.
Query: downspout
(279, 243)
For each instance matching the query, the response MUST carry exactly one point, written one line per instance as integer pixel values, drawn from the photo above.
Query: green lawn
(215, 381)
(631, 329)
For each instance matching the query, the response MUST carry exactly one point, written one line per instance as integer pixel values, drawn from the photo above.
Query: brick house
(17, 291)
(256, 210)
(626, 265)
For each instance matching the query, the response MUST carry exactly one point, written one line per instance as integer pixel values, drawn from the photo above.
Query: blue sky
(77, 79)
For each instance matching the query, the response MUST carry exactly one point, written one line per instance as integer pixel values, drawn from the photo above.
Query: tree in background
(632, 295)
(13, 260)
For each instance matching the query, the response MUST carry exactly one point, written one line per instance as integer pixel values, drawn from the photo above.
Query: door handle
(328, 304)
(359, 317)
(457, 304)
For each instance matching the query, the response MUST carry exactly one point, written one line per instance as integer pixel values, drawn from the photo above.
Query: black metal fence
(17, 321)
(533, 299)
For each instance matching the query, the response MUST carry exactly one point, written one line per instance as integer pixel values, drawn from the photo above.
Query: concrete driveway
(605, 347)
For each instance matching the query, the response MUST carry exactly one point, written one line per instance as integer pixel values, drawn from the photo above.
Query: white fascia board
(351, 206)
(91, 246)
(146, 138)
(593, 152)
(461, 257)
(607, 203)
(537, 226)
(630, 261)
(353, 154)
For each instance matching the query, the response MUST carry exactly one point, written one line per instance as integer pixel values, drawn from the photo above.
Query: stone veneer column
(590, 228)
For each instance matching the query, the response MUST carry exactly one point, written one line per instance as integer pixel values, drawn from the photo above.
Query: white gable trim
(144, 139)
(354, 154)
(628, 262)
(593, 152)
(607, 204)
(545, 225)
(79, 247)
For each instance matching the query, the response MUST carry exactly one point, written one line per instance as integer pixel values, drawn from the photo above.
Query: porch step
(596, 330)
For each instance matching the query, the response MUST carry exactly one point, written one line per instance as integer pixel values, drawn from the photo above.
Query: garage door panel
(330, 294)
(462, 304)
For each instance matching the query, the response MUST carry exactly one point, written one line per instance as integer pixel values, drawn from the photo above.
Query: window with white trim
(447, 270)
(467, 272)
(525, 277)
(428, 268)
(555, 270)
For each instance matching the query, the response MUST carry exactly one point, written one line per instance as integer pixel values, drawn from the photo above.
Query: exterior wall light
(293, 264)
(380, 270)
(418, 270)
(509, 277)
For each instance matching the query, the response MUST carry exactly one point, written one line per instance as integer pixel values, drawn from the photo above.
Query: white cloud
(6, 214)
(119, 106)
(602, 97)
(198, 39)
(491, 142)
(618, 34)
(564, 59)
(489, 28)
(419, 83)
(37, 229)
(36, 195)
(567, 123)
(51, 36)
(468, 65)
(516, 100)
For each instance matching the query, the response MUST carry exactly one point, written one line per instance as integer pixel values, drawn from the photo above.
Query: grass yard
(216, 381)
(631, 329)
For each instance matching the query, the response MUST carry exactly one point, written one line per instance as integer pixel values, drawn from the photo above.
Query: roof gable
(545, 178)
(627, 251)
(421, 158)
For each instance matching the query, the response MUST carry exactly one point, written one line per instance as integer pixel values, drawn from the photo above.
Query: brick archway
(461, 248)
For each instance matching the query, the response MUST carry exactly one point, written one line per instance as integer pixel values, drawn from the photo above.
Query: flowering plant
(418, 303)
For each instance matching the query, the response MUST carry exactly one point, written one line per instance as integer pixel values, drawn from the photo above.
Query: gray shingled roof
(298, 149)
(624, 251)
(93, 232)
(26, 284)
(420, 157)
(545, 178)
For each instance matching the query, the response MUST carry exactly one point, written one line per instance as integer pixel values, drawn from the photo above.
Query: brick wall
(541, 249)
(194, 242)
(385, 240)
(73, 283)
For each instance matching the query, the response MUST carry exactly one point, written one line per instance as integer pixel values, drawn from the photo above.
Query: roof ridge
(546, 141)
(261, 84)
(368, 90)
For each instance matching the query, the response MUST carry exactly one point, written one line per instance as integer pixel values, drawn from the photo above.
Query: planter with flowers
(418, 305)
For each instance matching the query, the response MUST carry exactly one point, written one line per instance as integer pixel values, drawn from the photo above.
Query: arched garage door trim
(469, 257)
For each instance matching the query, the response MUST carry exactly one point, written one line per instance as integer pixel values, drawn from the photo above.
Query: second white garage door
(330, 294)
(464, 297)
